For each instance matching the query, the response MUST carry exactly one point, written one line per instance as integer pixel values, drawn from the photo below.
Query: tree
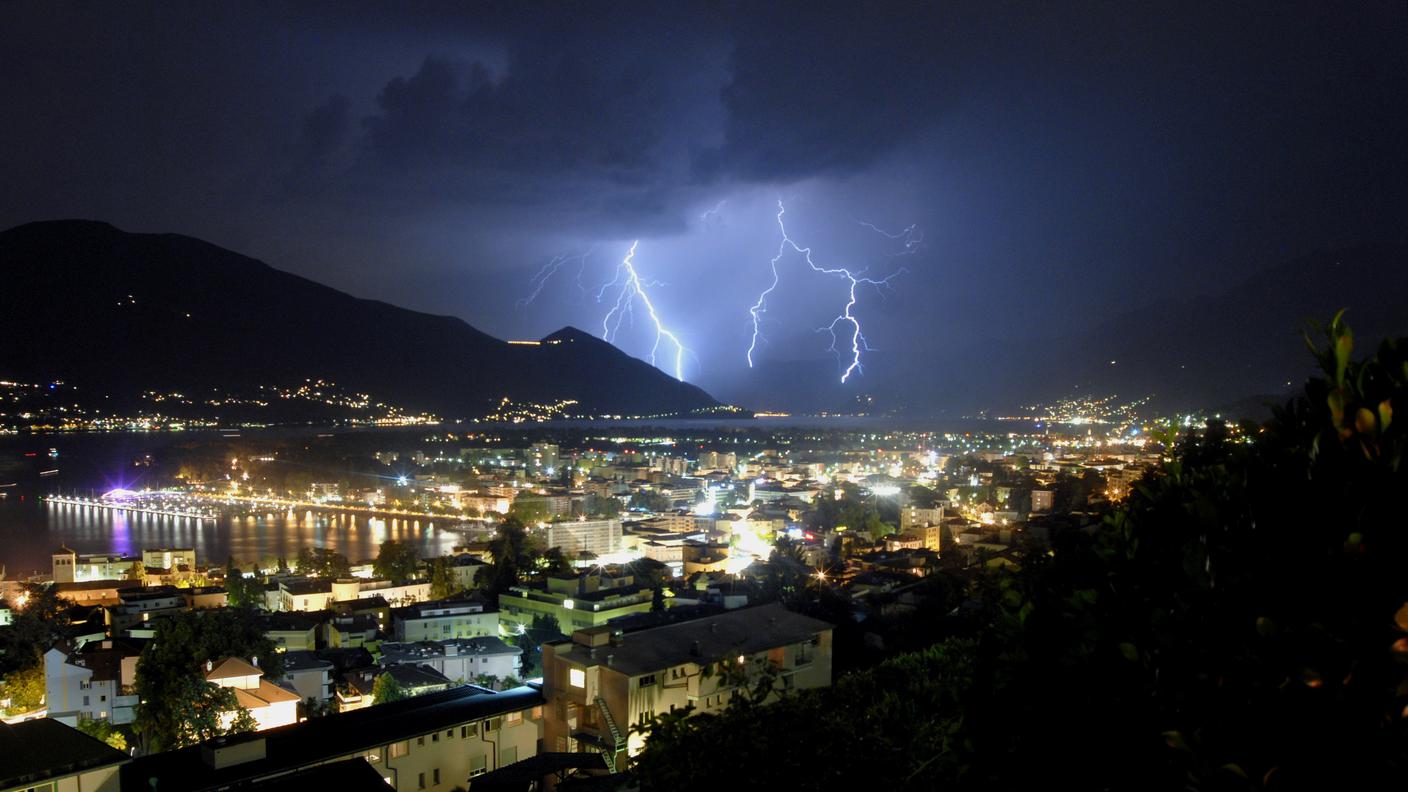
(529, 510)
(512, 554)
(137, 572)
(386, 690)
(243, 722)
(177, 706)
(39, 619)
(555, 563)
(24, 689)
(240, 591)
(396, 561)
(530, 640)
(443, 583)
(649, 500)
(322, 562)
(103, 730)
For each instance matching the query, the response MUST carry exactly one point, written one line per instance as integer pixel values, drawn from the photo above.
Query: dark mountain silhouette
(118, 313)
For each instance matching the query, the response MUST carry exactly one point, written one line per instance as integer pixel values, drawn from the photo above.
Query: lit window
(513, 718)
(400, 748)
(576, 677)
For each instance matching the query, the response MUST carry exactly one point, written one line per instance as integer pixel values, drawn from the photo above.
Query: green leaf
(1130, 652)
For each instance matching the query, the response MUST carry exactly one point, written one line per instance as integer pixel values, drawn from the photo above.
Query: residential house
(288, 632)
(95, 683)
(308, 675)
(269, 704)
(350, 631)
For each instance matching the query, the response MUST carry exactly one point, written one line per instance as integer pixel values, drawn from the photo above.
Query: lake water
(30, 530)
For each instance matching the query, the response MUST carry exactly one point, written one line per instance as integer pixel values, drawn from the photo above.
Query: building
(443, 619)
(543, 459)
(1043, 500)
(170, 558)
(463, 659)
(575, 602)
(602, 682)
(308, 675)
(289, 633)
(69, 567)
(270, 705)
(601, 537)
(352, 630)
(434, 742)
(93, 684)
(44, 755)
(137, 607)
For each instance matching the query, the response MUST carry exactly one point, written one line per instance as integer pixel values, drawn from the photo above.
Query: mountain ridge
(93, 304)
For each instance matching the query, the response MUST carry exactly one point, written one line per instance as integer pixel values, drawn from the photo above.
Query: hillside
(120, 313)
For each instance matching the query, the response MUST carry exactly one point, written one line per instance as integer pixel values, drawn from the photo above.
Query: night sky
(1057, 162)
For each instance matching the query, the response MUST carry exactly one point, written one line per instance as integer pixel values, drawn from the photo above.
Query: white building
(269, 704)
(442, 620)
(464, 659)
(601, 537)
(93, 685)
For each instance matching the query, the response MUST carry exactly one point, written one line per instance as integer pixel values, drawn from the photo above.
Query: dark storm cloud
(627, 117)
(821, 93)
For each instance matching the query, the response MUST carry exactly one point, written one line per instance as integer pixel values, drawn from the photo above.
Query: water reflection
(30, 531)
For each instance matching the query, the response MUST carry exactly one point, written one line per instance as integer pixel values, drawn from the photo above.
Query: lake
(30, 530)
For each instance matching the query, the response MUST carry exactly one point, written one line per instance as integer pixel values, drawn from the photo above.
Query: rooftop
(34, 751)
(703, 640)
(289, 747)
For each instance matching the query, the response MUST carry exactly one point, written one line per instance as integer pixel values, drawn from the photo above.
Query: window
(513, 719)
(435, 776)
(420, 777)
(434, 737)
(576, 677)
(449, 733)
(373, 755)
(492, 724)
(472, 730)
(537, 713)
(85, 701)
(647, 680)
(400, 748)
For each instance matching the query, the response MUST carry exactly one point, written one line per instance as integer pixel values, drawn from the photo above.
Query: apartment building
(443, 619)
(604, 681)
(429, 743)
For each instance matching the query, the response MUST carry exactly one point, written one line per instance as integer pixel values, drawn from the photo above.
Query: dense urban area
(631, 607)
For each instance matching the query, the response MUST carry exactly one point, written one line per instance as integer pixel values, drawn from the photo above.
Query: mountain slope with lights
(119, 314)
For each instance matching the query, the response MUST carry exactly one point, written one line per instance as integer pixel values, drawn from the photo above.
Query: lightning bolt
(633, 288)
(911, 238)
(847, 316)
(550, 269)
(712, 213)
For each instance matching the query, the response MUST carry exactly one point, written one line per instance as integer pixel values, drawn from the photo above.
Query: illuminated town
(703, 396)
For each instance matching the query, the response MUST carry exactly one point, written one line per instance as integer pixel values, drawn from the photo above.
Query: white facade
(601, 537)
